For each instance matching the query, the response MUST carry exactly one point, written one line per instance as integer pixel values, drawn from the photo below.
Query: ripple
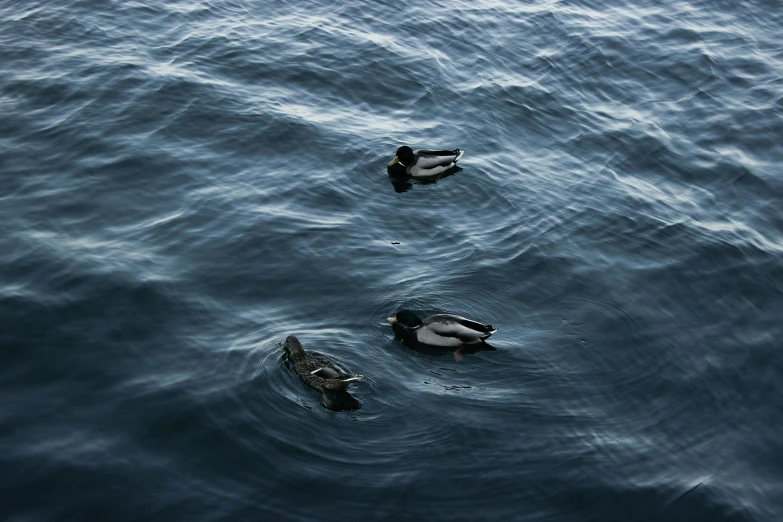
(184, 185)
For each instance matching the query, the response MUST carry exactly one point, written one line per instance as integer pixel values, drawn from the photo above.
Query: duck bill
(392, 319)
(394, 161)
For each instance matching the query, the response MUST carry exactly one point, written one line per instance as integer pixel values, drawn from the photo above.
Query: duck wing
(427, 159)
(327, 369)
(434, 162)
(459, 327)
(328, 373)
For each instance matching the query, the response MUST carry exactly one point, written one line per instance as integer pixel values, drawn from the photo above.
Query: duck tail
(351, 378)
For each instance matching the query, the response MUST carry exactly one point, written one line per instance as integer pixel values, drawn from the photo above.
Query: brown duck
(320, 373)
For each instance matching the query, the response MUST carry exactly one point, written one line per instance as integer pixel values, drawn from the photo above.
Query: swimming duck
(442, 330)
(319, 372)
(422, 163)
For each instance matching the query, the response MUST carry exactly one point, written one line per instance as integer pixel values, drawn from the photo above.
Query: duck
(319, 372)
(442, 330)
(422, 163)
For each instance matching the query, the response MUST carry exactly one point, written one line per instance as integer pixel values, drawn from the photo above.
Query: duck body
(443, 330)
(316, 370)
(422, 163)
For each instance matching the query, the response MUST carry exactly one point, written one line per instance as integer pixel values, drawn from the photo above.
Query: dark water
(183, 184)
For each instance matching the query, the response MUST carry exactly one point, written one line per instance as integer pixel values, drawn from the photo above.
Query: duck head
(404, 156)
(406, 318)
(292, 346)
(398, 166)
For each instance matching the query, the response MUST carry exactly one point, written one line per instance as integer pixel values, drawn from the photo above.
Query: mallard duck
(422, 163)
(319, 372)
(442, 330)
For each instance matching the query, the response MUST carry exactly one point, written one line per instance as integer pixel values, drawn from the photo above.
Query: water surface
(184, 185)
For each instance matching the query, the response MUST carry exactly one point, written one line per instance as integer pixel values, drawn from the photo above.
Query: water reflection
(402, 183)
(339, 400)
(400, 186)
